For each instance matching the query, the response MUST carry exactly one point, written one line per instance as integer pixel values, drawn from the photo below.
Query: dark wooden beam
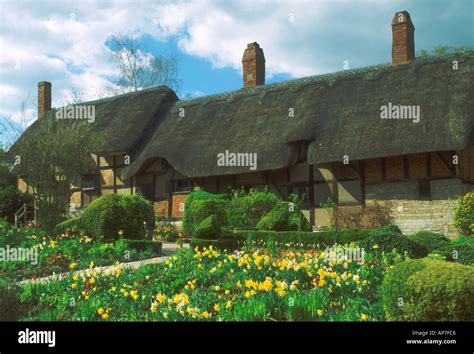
(362, 180)
(406, 167)
(449, 166)
(428, 165)
(114, 161)
(383, 169)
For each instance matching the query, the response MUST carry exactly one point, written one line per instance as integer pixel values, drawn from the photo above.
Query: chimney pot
(44, 98)
(403, 38)
(253, 65)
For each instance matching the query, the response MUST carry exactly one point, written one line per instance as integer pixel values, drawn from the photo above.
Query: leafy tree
(442, 50)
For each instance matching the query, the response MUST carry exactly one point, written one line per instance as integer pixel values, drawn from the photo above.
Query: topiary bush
(131, 215)
(430, 240)
(464, 214)
(284, 216)
(246, 209)
(9, 301)
(429, 290)
(381, 241)
(208, 229)
(202, 209)
(188, 222)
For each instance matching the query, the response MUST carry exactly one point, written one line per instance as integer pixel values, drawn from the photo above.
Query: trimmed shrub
(460, 253)
(431, 241)
(429, 290)
(202, 209)
(9, 301)
(188, 209)
(464, 214)
(141, 245)
(381, 241)
(208, 229)
(108, 215)
(280, 218)
(245, 210)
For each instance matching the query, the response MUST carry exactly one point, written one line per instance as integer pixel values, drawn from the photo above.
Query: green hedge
(141, 245)
(379, 242)
(327, 238)
(228, 244)
(431, 241)
(429, 290)
(463, 253)
(188, 220)
(202, 209)
(108, 215)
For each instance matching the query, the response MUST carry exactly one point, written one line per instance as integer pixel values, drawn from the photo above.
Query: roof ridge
(334, 76)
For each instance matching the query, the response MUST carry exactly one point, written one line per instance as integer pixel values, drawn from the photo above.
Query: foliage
(429, 290)
(385, 242)
(11, 200)
(442, 50)
(246, 209)
(209, 228)
(9, 301)
(202, 209)
(165, 230)
(69, 224)
(464, 214)
(53, 157)
(255, 283)
(187, 217)
(285, 216)
(308, 239)
(114, 215)
(431, 241)
(142, 245)
(367, 217)
(461, 253)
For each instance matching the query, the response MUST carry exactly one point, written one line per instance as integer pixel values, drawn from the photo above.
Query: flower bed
(255, 283)
(74, 248)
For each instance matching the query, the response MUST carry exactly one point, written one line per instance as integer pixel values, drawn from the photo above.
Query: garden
(252, 257)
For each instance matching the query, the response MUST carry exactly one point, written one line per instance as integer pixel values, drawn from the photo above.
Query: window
(302, 151)
(183, 185)
(424, 190)
(89, 182)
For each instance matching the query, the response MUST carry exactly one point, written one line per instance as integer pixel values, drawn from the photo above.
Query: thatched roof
(339, 114)
(120, 121)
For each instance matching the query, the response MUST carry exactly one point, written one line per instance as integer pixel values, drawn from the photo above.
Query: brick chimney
(253, 65)
(44, 98)
(403, 38)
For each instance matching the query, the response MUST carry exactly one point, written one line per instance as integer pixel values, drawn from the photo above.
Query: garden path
(168, 249)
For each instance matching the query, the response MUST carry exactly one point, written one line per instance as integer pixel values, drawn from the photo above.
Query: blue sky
(65, 42)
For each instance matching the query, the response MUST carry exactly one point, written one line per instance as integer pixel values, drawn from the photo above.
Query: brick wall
(178, 205)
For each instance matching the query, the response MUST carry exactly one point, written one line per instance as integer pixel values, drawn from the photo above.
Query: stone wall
(411, 214)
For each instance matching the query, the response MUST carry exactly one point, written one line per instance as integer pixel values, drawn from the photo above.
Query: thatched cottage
(401, 134)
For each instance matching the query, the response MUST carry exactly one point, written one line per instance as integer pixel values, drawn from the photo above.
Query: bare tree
(51, 158)
(139, 68)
